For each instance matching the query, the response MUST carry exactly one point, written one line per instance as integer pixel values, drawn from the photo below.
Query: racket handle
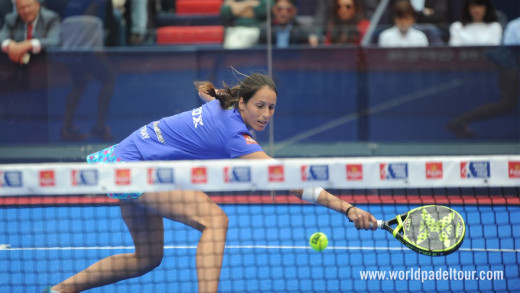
(379, 224)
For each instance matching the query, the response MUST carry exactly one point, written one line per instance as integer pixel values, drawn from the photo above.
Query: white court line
(7, 247)
(423, 93)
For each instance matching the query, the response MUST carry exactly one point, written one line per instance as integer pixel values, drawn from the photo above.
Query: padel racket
(432, 230)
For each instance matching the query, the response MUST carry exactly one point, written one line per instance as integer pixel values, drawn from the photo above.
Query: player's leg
(197, 210)
(509, 90)
(147, 232)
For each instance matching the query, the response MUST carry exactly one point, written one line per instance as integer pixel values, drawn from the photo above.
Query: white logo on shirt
(144, 133)
(197, 117)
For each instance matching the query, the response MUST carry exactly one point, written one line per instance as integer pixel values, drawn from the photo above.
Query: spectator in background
(348, 24)
(129, 20)
(30, 29)
(478, 25)
(508, 75)
(512, 33)
(242, 20)
(431, 11)
(325, 12)
(285, 29)
(138, 21)
(432, 18)
(402, 34)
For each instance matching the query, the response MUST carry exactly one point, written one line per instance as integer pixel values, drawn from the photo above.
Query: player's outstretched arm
(362, 219)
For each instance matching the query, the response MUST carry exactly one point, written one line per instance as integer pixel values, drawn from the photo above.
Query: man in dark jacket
(285, 29)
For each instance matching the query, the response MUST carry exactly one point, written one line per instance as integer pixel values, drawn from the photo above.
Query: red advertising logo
(199, 175)
(123, 177)
(47, 178)
(514, 169)
(434, 170)
(354, 172)
(276, 174)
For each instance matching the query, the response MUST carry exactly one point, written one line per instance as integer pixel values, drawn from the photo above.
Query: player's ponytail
(246, 89)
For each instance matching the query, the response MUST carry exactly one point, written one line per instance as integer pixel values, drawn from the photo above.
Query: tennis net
(56, 221)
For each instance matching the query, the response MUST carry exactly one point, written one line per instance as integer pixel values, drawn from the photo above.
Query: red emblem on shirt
(249, 139)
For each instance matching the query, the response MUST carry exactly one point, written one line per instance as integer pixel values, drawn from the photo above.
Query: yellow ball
(319, 241)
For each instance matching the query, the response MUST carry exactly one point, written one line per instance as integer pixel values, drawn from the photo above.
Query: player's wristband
(346, 212)
(311, 194)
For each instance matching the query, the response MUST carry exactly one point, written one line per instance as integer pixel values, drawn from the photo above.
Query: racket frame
(397, 232)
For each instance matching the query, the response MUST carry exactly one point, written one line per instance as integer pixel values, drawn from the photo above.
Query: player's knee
(148, 263)
(217, 219)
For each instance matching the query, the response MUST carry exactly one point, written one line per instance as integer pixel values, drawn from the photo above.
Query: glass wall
(336, 100)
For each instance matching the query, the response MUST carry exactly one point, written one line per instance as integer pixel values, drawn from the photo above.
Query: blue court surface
(267, 251)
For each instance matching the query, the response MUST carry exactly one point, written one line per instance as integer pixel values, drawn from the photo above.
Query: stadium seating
(197, 7)
(195, 22)
(186, 35)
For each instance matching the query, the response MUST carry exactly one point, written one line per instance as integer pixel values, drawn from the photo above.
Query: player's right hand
(362, 219)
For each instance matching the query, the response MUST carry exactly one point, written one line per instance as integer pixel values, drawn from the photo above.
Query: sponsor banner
(11, 179)
(276, 173)
(237, 174)
(199, 175)
(392, 171)
(47, 178)
(354, 172)
(514, 169)
(160, 176)
(314, 173)
(123, 176)
(434, 170)
(87, 177)
(475, 169)
(247, 175)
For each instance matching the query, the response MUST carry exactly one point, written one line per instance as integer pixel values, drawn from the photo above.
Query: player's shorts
(107, 156)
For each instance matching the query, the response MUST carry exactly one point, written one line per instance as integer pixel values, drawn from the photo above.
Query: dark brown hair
(358, 16)
(404, 8)
(489, 17)
(246, 89)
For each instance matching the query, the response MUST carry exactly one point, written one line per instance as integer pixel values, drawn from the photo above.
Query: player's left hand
(362, 219)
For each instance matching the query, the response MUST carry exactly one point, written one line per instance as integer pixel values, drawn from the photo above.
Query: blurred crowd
(247, 23)
(28, 27)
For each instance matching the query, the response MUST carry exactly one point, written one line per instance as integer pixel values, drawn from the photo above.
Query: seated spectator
(348, 24)
(285, 29)
(242, 19)
(30, 29)
(432, 18)
(325, 11)
(402, 34)
(512, 33)
(478, 25)
(431, 11)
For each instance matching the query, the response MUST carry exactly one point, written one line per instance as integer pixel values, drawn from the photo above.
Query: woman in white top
(402, 34)
(478, 25)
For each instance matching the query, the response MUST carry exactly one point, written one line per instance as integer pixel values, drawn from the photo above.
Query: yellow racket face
(433, 230)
